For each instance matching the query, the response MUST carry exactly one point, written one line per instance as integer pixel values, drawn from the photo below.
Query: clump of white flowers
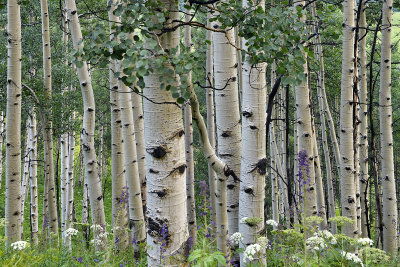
(315, 243)
(70, 232)
(96, 242)
(103, 235)
(19, 245)
(96, 227)
(352, 257)
(328, 236)
(250, 252)
(365, 242)
(263, 241)
(236, 238)
(272, 223)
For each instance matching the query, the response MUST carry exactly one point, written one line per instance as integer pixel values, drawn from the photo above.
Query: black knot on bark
(247, 114)
(229, 172)
(157, 152)
(100, 198)
(160, 193)
(230, 186)
(249, 190)
(226, 134)
(159, 228)
(261, 166)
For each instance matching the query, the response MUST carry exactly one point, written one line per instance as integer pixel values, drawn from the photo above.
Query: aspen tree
(364, 177)
(254, 162)
(136, 217)
(13, 130)
(33, 178)
(212, 177)
(348, 189)
(70, 183)
(88, 126)
(165, 158)
(304, 128)
(48, 131)
(1, 144)
(227, 116)
(390, 219)
(25, 175)
(191, 207)
(118, 178)
(64, 178)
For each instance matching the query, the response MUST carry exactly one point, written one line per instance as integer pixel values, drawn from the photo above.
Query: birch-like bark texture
(318, 182)
(88, 126)
(228, 116)
(64, 178)
(13, 130)
(136, 217)
(304, 128)
(254, 162)
(25, 175)
(348, 189)
(138, 120)
(1, 144)
(363, 116)
(165, 160)
(100, 160)
(191, 205)
(33, 178)
(118, 178)
(70, 183)
(48, 131)
(390, 219)
(325, 146)
(212, 177)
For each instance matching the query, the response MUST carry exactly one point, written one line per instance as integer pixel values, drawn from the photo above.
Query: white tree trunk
(88, 126)
(120, 217)
(191, 207)
(25, 175)
(348, 189)
(390, 219)
(304, 128)
(48, 133)
(364, 177)
(13, 130)
(1, 144)
(253, 162)
(64, 179)
(212, 177)
(228, 117)
(136, 217)
(70, 183)
(33, 178)
(165, 161)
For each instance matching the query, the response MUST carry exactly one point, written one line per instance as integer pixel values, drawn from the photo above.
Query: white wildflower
(263, 241)
(250, 252)
(272, 223)
(328, 236)
(352, 257)
(96, 227)
(236, 238)
(19, 245)
(102, 235)
(315, 243)
(243, 220)
(96, 242)
(365, 242)
(70, 232)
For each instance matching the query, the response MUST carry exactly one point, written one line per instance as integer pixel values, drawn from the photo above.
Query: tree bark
(13, 130)
(253, 162)
(347, 186)
(228, 117)
(33, 178)
(88, 126)
(390, 219)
